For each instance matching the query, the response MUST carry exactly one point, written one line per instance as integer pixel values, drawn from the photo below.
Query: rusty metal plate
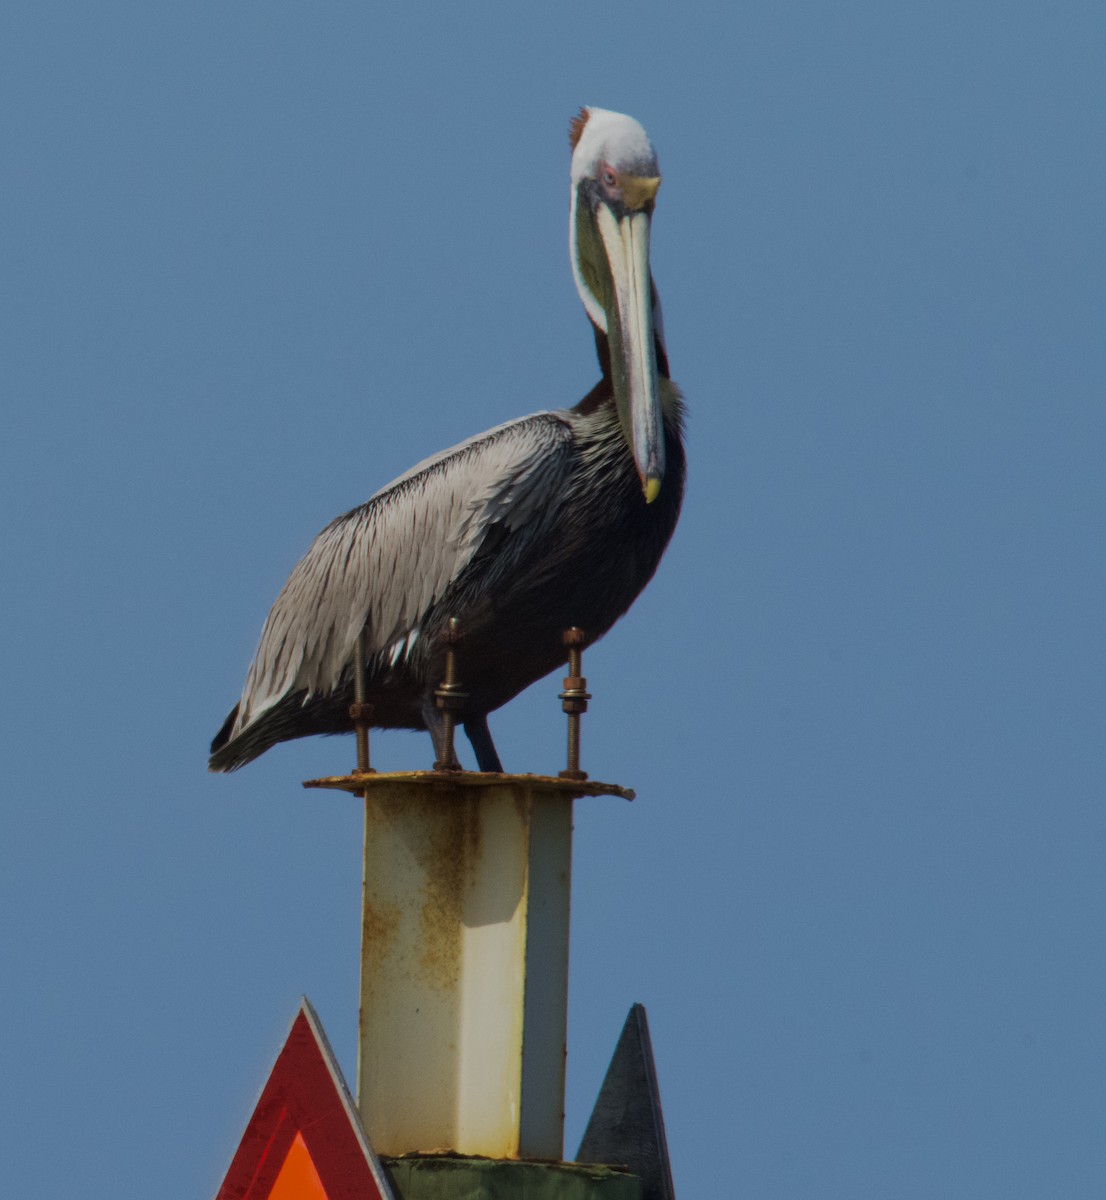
(359, 784)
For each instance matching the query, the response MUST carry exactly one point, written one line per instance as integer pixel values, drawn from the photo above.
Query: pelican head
(614, 185)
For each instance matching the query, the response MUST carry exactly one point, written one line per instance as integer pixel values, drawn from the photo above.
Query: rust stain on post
(380, 926)
(443, 905)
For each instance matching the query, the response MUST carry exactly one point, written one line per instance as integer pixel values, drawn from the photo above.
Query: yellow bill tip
(652, 489)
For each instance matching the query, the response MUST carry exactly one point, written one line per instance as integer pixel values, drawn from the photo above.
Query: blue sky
(258, 259)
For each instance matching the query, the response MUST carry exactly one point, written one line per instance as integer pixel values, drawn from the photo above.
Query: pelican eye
(610, 186)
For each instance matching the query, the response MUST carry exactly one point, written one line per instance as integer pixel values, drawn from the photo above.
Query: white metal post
(464, 968)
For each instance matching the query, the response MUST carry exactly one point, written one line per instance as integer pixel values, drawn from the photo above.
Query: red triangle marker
(305, 1140)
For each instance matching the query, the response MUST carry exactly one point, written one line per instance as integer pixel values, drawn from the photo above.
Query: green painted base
(441, 1178)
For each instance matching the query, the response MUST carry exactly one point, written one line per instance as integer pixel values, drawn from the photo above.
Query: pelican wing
(383, 565)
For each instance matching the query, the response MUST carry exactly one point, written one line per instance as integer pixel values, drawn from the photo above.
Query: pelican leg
(480, 736)
(435, 725)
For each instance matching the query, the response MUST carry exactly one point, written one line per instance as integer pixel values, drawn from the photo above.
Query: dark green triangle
(626, 1125)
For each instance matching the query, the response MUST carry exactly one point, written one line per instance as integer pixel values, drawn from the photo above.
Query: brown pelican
(554, 520)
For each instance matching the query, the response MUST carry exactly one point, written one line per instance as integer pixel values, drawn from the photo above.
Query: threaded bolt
(449, 697)
(574, 700)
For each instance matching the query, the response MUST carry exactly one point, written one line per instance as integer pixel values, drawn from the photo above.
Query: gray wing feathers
(383, 565)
